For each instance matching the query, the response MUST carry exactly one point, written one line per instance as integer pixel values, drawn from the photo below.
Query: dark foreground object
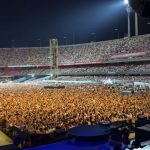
(54, 87)
(90, 132)
(143, 133)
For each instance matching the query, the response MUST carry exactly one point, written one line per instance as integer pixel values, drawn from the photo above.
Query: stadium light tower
(136, 24)
(128, 8)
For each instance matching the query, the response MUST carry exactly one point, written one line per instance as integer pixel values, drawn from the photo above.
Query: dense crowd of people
(121, 68)
(37, 110)
(124, 68)
(87, 53)
(104, 79)
(20, 71)
(34, 115)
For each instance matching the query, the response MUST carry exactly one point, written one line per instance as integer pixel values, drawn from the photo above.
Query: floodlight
(126, 2)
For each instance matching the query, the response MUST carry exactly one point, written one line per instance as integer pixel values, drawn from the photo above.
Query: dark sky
(27, 22)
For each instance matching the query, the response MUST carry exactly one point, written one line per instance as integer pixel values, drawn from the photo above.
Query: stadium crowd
(124, 68)
(41, 111)
(103, 79)
(90, 52)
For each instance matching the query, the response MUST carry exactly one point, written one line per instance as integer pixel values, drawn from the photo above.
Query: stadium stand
(82, 53)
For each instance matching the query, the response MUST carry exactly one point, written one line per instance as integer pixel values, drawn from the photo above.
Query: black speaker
(142, 133)
(2, 124)
(142, 7)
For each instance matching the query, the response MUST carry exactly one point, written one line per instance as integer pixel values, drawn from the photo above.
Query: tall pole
(129, 26)
(136, 25)
(129, 29)
(65, 40)
(73, 45)
(148, 23)
(93, 36)
(39, 42)
(50, 57)
(117, 31)
(73, 39)
(12, 44)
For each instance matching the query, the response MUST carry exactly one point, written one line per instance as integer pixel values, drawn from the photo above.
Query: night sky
(28, 22)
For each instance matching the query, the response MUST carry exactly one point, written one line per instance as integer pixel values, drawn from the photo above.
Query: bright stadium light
(126, 2)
